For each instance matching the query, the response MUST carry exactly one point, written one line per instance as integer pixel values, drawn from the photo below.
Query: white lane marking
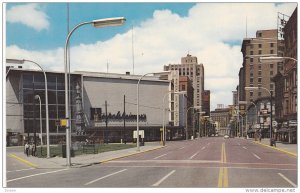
(105, 177)
(256, 156)
(21, 170)
(203, 148)
(164, 178)
(288, 180)
(181, 148)
(194, 155)
(35, 175)
(161, 156)
(244, 147)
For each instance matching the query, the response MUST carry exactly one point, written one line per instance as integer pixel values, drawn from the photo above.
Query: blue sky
(57, 13)
(162, 34)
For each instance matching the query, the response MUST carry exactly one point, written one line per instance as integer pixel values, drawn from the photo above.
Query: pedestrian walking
(33, 150)
(30, 149)
(26, 149)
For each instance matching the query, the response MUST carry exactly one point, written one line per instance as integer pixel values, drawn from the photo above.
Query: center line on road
(164, 178)
(244, 147)
(256, 156)
(35, 175)
(105, 177)
(181, 148)
(288, 180)
(203, 148)
(194, 155)
(160, 156)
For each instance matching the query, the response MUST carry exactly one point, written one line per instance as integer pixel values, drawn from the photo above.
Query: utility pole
(34, 127)
(124, 117)
(106, 120)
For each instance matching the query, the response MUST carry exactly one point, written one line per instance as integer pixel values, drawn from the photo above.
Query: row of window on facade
(260, 52)
(260, 45)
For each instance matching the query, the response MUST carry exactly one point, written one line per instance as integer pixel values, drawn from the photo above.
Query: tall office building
(189, 67)
(253, 73)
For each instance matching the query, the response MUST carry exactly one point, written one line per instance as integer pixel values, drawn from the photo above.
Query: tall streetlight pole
(41, 129)
(186, 120)
(16, 61)
(164, 127)
(137, 108)
(96, 23)
(271, 97)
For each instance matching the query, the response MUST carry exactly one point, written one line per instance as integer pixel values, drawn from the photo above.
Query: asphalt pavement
(201, 163)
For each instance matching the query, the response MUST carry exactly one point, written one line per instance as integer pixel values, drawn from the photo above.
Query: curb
(278, 149)
(131, 154)
(78, 165)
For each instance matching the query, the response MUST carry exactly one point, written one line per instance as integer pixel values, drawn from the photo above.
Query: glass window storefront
(33, 83)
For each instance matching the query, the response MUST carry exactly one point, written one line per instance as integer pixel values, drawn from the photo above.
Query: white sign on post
(141, 132)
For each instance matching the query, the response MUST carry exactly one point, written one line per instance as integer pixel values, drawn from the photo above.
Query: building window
(251, 46)
(271, 51)
(259, 52)
(259, 67)
(271, 65)
(259, 45)
(259, 73)
(183, 87)
(259, 94)
(271, 73)
(251, 59)
(251, 80)
(259, 34)
(272, 45)
(259, 80)
(251, 52)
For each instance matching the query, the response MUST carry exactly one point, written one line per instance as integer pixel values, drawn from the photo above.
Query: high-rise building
(189, 67)
(234, 98)
(286, 84)
(206, 102)
(254, 73)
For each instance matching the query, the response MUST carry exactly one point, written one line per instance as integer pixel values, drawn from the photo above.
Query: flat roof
(99, 75)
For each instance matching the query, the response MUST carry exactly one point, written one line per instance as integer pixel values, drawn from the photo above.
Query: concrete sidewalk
(291, 149)
(81, 160)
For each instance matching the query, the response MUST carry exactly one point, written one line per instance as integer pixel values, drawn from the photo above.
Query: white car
(226, 136)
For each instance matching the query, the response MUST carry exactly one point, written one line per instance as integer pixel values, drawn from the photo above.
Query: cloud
(29, 15)
(166, 37)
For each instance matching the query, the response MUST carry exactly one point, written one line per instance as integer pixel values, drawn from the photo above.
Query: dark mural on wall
(98, 116)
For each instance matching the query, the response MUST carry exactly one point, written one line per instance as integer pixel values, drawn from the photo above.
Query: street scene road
(212, 162)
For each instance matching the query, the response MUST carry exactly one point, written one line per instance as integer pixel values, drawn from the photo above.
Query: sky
(161, 33)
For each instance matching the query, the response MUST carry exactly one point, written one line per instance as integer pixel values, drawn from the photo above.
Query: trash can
(64, 152)
(273, 142)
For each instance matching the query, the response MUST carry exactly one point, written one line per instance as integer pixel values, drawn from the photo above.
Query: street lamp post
(46, 97)
(271, 108)
(137, 108)
(41, 129)
(96, 23)
(186, 120)
(164, 127)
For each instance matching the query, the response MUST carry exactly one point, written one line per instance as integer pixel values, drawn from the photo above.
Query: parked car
(226, 136)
